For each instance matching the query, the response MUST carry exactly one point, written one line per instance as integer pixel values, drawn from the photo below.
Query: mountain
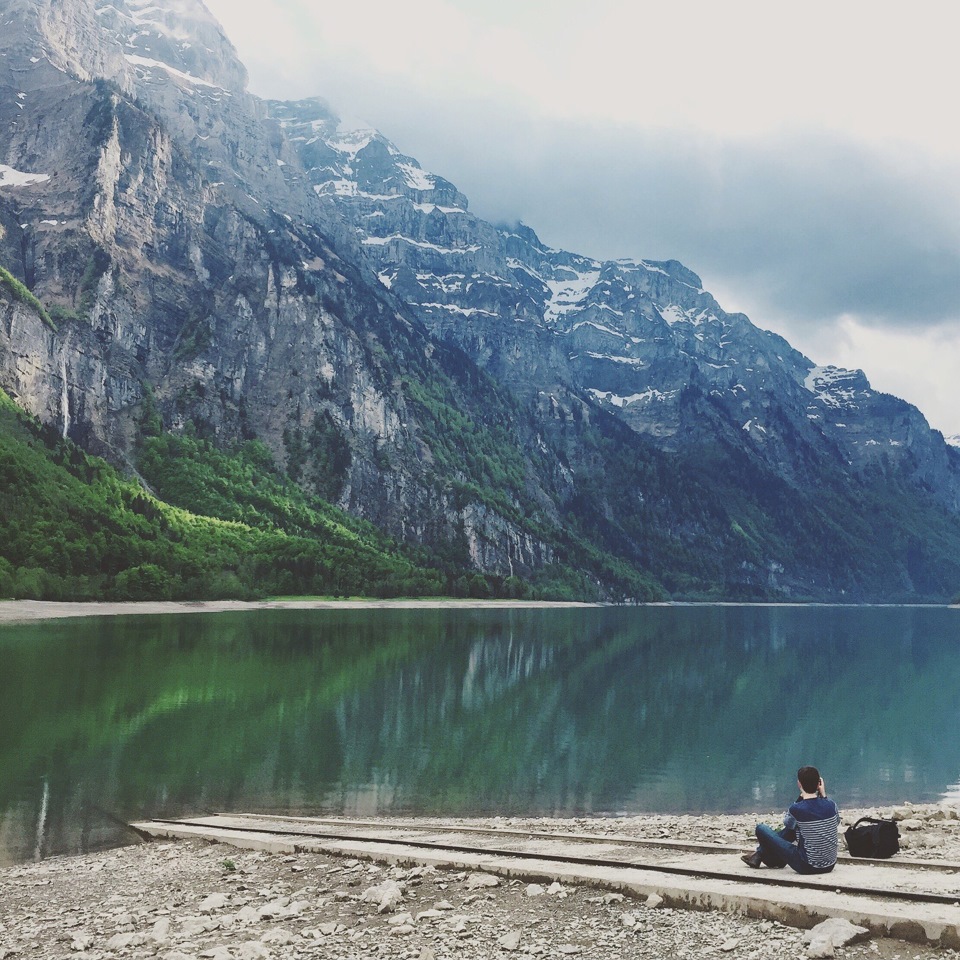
(184, 260)
(630, 334)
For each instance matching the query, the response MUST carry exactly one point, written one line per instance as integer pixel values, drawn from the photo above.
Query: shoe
(752, 860)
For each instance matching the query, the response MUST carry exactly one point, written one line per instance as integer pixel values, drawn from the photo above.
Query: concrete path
(908, 900)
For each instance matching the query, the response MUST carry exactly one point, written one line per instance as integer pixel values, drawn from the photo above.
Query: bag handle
(870, 820)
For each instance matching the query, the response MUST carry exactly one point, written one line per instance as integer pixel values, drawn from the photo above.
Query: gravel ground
(193, 900)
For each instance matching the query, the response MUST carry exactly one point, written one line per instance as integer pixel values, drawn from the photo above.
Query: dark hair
(809, 778)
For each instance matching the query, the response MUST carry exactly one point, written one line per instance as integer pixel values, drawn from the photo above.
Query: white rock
(730, 945)
(276, 908)
(386, 895)
(81, 942)
(427, 954)
(443, 905)
(403, 930)
(123, 941)
(535, 890)
(161, 929)
(628, 920)
(252, 950)
(654, 901)
(247, 914)
(194, 926)
(555, 888)
(278, 936)
(178, 955)
(510, 941)
(825, 937)
(609, 898)
(429, 915)
(478, 881)
(329, 929)
(216, 901)
(568, 949)
(217, 953)
(912, 824)
(400, 918)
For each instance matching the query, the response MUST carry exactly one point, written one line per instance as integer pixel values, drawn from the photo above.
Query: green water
(468, 712)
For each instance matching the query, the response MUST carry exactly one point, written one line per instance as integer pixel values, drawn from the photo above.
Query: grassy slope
(72, 528)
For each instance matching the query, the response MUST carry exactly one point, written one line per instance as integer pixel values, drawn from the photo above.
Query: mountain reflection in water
(671, 709)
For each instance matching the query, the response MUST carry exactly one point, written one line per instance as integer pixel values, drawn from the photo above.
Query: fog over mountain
(807, 173)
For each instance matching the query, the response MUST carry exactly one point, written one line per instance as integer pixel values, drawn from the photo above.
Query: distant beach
(26, 611)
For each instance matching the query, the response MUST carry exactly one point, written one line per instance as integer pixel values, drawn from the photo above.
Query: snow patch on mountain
(651, 395)
(9, 177)
(147, 63)
(417, 178)
(568, 293)
(399, 238)
(835, 386)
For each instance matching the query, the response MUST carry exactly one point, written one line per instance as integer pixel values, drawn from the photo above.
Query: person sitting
(808, 840)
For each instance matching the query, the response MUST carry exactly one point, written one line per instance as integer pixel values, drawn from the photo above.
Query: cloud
(823, 203)
(806, 227)
(656, 142)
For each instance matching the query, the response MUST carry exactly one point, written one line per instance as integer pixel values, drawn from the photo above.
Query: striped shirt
(817, 823)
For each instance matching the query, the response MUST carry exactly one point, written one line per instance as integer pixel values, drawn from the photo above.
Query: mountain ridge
(613, 348)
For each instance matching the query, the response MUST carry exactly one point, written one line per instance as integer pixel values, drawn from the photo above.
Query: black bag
(879, 838)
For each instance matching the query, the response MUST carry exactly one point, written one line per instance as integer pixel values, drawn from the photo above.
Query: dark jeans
(779, 849)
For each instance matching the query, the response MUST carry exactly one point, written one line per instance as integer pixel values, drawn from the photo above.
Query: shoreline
(29, 611)
(190, 899)
(32, 611)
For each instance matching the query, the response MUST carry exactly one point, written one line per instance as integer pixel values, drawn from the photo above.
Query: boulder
(216, 901)
(826, 937)
(510, 941)
(480, 881)
(386, 896)
(252, 950)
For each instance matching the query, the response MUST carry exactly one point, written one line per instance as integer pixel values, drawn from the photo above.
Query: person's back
(817, 821)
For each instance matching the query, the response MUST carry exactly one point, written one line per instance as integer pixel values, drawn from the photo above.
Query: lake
(460, 712)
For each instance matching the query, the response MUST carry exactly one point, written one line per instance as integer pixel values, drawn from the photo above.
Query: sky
(802, 159)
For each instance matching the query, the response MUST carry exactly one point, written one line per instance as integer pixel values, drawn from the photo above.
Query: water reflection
(363, 712)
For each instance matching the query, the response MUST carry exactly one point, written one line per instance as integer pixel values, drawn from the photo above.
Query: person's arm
(822, 788)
